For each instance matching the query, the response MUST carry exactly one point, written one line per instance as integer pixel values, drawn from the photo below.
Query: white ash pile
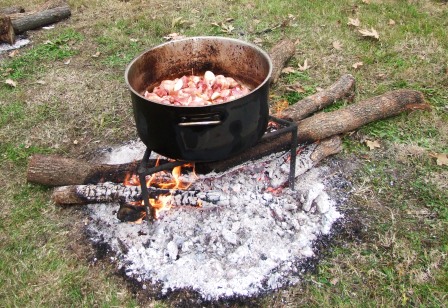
(252, 239)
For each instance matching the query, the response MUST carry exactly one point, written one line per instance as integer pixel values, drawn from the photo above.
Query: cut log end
(7, 34)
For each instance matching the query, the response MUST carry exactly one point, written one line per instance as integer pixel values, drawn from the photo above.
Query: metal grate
(144, 170)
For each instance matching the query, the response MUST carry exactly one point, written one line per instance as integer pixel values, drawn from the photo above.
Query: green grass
(397, 256)
(55, 48)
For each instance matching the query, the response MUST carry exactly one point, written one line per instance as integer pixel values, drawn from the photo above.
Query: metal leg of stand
(145, 195)
(292, 161)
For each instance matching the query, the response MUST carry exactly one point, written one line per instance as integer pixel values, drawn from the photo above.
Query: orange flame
(163, 180)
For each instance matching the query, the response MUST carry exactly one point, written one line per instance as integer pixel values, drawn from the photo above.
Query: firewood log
(113, 192)
(280, 53)
(323, 125)
(11, 10)
(343, 89)
(6, 30)
(25, 22)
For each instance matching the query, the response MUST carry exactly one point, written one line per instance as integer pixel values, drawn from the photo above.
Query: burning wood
(112, 192)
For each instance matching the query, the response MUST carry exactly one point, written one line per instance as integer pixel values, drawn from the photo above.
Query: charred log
(112, 192)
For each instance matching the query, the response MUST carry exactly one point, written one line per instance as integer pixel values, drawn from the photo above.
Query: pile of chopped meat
(197, 90)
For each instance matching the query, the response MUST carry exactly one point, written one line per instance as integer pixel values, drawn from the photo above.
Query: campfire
(236, 225)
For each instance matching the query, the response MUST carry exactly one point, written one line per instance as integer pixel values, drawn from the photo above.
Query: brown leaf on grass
(224, 27)
(11, 83)
(337, 45)
(372, 33)
(357, 64)
(441, 158)
(296, 87)
(366, 1)
(173, 36)
(13, 53)
(372, 144)
(391, 22)
(258, 40)
(288, 70)
(305, 66)
(353, 22)
(176, 21)
(96, 54)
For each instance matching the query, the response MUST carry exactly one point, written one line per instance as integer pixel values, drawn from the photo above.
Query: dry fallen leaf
(176, 21)
(296, 87)
(441, 158)
(13, 53)
(96, 54)
(173, 36)
(11, 83)
(305, 66)
(357, 64)
(391, 22)
(67, 62)
(288, 70)
(227, 28)
(373, 144)
(366, 1)
(372, 33)
(353, 22)
(258, 40)
(337, 45)
(297, 42)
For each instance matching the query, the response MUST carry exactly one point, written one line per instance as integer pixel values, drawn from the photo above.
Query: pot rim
(196, 38)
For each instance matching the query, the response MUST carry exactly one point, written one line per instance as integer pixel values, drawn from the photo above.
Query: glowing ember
(164, 181)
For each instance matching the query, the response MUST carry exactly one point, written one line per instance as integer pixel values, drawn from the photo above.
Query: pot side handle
(200, 120)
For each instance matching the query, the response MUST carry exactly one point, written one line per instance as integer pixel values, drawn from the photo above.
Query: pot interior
(244, 62)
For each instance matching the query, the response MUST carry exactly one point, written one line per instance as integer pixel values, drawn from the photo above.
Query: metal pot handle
(200, 120)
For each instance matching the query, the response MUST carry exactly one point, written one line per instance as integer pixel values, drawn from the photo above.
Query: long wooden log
(323, 125)
(11, 10)
(54, 170)
(280, 54)
(113, 192)
(343, 89)
(25, 22)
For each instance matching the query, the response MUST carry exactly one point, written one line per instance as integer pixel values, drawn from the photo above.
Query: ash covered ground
(254, 237)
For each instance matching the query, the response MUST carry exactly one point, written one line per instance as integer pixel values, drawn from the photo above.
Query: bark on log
(343, 89)
(25, 22)
(11, 10)
(323, 125)
(54, 170)
(280, 54)
(6, 30)
(112, 192)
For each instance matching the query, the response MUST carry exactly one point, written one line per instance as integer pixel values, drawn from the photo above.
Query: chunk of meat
(197, 90)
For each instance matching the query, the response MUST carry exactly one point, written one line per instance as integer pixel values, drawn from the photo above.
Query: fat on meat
(197, 91)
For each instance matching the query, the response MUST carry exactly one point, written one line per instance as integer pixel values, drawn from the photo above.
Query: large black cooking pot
(205, 133)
